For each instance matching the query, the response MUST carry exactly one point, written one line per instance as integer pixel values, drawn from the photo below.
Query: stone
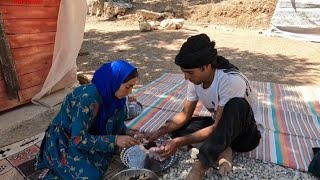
(109, 10)
(168, 9)
(171, 24)
(193, 153)
(95, 7)
(115, 9)
(119, 10)
(145, 27)
(154, 24)
(83, 79)
(148, 15)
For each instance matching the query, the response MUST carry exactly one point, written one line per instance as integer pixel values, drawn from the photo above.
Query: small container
(134, 174)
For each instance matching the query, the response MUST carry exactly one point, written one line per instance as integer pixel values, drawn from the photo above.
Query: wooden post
(7, 64)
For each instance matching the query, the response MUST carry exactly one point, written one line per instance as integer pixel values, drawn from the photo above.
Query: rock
(85, 53)
(305, 176)
(154, 24)
(149, 15)
(83, 79)
(108, 10)
(119, 10)
(178, 14)
(167, 24)
(121, 1)
(95, 7)
(193, 153)
(171, 24)
(145, 26)
(184, 174)
(225, 178)
(296, 176)
(115, 9)
(168, 9)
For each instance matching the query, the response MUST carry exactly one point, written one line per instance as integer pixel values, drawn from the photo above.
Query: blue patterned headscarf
(108, 79)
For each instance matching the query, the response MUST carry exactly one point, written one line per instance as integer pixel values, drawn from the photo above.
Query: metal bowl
(134, 109)
(130, 174)
(134, 157)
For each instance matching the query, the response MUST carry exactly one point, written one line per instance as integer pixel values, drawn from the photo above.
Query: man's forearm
(202, 134)
(175, 123)
(197, 136)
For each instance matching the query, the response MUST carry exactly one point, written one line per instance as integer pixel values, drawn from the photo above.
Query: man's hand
(124, 141)
(170, 147)
(152, 136)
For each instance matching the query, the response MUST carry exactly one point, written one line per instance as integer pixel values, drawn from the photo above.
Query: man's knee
(209, 154)
(213, 146)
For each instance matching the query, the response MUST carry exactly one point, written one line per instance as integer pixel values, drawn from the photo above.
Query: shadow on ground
(276, 68)
(153, 54)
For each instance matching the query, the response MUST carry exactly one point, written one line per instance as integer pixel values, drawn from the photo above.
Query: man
(227, 94)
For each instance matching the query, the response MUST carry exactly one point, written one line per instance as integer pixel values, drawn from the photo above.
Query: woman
(81, 139)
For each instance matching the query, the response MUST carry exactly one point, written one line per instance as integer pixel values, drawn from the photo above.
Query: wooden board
(13, 26)
(24, 96)
(31, 53)
(27, 81)
(33, 79)
(1, 75)
(30, 2)
(31, 27)
(26, 68)
(35, 58)
(25, 12)
(27, 40)
(2, 89)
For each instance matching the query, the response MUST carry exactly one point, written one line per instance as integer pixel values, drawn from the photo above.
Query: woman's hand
(136, 134)
(124, 141)
(140, 137)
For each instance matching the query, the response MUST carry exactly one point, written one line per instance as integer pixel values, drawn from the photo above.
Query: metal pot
(129, 174)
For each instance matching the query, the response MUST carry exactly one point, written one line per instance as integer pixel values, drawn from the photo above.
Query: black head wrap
(199, 51)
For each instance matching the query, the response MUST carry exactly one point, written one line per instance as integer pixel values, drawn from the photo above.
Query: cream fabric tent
(69, 37)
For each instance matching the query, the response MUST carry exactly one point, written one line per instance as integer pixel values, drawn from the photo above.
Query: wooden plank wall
(31, 28)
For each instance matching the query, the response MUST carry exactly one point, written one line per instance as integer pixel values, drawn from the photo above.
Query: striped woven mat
(291, 115)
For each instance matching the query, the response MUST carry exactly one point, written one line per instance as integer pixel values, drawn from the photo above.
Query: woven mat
(291, 115)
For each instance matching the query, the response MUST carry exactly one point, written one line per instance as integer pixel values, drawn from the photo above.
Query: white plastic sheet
(296, 19)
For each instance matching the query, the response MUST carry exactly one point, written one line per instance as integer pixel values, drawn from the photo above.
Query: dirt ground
(239, 37)
(235, 13)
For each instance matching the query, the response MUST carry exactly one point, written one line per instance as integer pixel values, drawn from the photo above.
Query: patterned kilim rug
(17, 161)
(291, 115)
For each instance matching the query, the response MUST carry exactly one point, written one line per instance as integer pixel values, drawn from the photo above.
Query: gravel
(243, 168)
